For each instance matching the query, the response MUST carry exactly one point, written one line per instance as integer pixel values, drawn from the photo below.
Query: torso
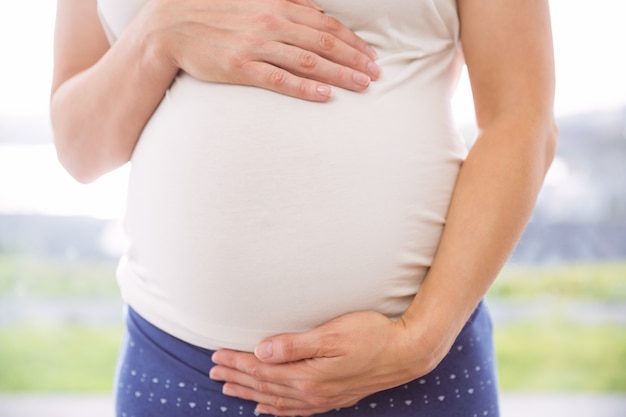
(252, 213)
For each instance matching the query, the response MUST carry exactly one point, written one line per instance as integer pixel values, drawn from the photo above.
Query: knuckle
(247, 40)
(268, 21)
(256, 372)
(326, 41)
(307, 59)
(342, 74)
(239, 56)
(333, 339)
(309, 388)
(237, 61)
(357, 60)
(302, 89)
(331, 24)
(278, 402)
(320, 402)
(278, 78)
(259, 386)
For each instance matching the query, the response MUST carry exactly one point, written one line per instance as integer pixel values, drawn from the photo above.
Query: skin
(103, 96)
(508, 51)
(291, 48)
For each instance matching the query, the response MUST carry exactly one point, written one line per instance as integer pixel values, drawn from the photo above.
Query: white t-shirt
(251, 213)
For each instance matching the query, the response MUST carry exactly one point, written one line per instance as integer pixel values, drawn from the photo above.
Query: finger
(250, 379)
(292, 347)
(233, 377)
(285, 404)
(230, 362)
(296, 380)
(241, 385)
(270, 77)
(329, 24)
(307, 3)
(308, 409)
(309, 65)
(332, 48)
(277, 402)
(264, 408)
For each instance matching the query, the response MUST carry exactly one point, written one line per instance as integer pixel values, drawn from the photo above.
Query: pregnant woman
(308, 233)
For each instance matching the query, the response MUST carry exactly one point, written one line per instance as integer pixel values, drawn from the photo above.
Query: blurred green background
(558, 328)
(559, 307)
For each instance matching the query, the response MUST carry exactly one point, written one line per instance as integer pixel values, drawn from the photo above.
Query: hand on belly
(333, 366)
(287, 46)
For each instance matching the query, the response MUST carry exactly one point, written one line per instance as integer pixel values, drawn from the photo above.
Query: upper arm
(79, 39)
(508, 52)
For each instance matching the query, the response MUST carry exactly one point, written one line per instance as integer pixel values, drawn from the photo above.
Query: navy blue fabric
(159, 375)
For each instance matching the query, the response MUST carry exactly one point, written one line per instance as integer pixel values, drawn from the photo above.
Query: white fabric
(251, 213)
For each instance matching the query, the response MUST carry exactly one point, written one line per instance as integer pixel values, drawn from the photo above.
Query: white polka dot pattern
(161, 375)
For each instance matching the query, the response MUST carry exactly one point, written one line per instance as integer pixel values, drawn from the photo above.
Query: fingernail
(373, 69)
(264, 350)
(361, 79)
(371, 52)
(228, 391)
(324, 91)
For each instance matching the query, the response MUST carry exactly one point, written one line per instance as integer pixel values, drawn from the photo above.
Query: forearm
(346, 359)
(511, 71)
(98, 114)
(493, 200)
(507, 49)
(102, 98)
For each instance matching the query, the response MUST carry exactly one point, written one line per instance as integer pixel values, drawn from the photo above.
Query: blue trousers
(159, 375)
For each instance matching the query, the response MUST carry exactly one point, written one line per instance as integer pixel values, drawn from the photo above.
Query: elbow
(71, 151)
(76, 156)
(550, 141)
(75, 142)
(82, 176)
(84, 156)
(77, 167)
(86, 165)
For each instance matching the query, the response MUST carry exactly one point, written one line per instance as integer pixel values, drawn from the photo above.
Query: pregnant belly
(251, 214)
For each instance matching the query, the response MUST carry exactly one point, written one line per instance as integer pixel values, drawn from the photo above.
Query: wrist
(429, 328)
(151, 45)
(422, 345)
(155, 58)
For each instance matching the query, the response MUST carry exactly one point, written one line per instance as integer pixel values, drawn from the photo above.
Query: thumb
(290, 347)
